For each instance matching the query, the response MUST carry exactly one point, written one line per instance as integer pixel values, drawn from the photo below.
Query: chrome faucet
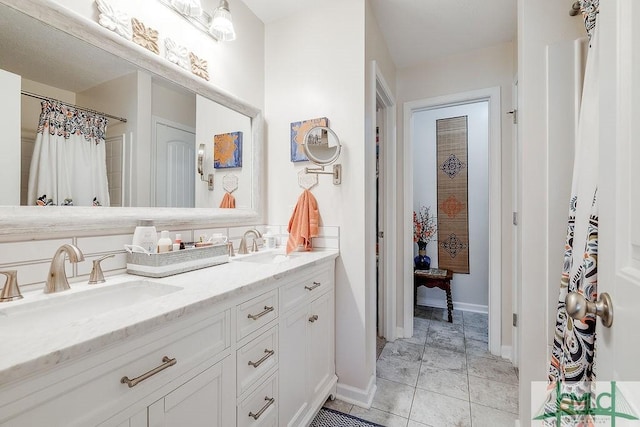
(243, 243)
(57, 279)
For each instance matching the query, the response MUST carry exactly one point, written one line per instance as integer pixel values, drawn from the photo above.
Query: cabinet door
(138, 420)
(320, 343)
(293, 367)
(204, 400)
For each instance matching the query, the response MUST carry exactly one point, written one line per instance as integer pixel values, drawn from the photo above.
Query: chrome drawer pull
(267, 309)
(270, 401)
(265, 357)
(315, 285)
(131, 383)
(313, 318)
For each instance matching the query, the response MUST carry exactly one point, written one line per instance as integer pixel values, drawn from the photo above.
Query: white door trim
(515, 165)
(389, 188)
(492, 95)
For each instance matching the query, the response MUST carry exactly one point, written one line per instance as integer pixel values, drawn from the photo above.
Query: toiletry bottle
(178, 241)
(164, 242)
(146, 236)
(269, 239)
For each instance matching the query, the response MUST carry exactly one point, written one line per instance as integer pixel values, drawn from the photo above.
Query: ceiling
(421, 30)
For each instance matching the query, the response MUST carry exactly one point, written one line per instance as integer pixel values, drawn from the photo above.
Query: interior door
(618, 347)
(175, 166)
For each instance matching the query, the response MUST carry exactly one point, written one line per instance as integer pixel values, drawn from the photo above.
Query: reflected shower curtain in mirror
(69, 165)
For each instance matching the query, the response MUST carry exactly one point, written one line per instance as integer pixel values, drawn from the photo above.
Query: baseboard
(357, 396)
(400, 332)
(506, 352)
(462, 306)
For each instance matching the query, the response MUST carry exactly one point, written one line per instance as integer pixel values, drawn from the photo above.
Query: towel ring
(230, 183)
(322, 146)
(307, 181)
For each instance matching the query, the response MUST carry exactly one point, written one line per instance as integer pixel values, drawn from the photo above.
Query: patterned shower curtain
(571, 367)
(69, 165)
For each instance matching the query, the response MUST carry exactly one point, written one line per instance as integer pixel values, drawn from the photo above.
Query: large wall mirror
(151, 158)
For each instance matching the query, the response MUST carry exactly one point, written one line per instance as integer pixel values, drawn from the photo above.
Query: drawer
(260, 408)
(95, 383)
(304, 289)
(256, 313)
(256, 359)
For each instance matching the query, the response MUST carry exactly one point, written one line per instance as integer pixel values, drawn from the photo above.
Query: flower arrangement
(424, 225)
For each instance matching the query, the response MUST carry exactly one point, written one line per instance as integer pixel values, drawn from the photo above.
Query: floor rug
(330, 418)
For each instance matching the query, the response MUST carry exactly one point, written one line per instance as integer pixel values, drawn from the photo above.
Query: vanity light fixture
(188, 7)
(222, 24)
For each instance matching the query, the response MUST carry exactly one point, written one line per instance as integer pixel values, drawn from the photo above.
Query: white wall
(376, 48)
(315, 68)
(173, 103)
(478, 69)
(539, 25)
(469, 291)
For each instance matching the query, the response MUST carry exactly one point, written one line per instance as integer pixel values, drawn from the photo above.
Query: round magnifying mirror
(321, 145)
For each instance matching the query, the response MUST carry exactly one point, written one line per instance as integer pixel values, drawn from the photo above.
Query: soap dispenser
(146, 236)
(270, 239)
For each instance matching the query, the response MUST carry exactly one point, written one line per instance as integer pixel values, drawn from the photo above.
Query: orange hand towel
(228, 201)
(303, 224)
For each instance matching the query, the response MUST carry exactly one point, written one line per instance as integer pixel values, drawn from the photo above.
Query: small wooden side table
(422, 278)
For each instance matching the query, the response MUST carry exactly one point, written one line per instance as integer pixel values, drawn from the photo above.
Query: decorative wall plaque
(115, 20)
(145, 37)
(177, 54)
(199, 67)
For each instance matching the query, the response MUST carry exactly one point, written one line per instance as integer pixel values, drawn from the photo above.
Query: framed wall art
(227, 150)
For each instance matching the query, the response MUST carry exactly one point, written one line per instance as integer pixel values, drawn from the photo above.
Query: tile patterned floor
(443, 376)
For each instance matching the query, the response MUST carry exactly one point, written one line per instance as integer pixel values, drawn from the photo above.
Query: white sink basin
(267, 257)
(78, 305)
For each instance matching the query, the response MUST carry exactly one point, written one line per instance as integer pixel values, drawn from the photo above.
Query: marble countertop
(33, 342)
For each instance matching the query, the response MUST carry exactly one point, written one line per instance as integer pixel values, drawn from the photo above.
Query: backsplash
(32, 258)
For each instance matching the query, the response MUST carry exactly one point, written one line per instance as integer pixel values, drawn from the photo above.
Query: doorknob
(578, 307)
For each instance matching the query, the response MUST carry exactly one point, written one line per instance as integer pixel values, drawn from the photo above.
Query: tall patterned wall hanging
(453, 191)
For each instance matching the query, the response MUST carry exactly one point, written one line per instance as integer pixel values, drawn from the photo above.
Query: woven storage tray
(169, 263)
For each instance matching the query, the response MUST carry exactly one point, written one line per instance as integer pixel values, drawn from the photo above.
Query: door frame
(515, 203)
(492, 95)
(155, 121)
(388, 186)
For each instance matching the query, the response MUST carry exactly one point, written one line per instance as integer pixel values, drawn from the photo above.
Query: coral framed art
(227, 150)
(298, 130)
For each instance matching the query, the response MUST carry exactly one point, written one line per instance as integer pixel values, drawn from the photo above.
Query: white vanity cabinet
(202, 401)
(92, 390)
(263, 357)
(307, 343)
